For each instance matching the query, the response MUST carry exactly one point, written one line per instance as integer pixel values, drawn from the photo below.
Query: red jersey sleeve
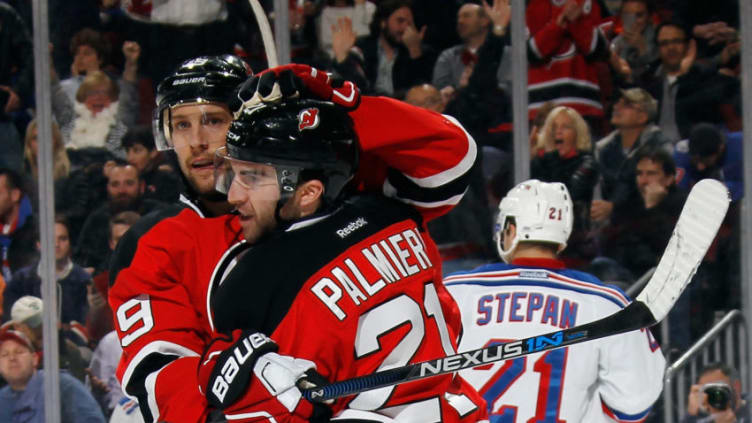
(159, 303)
(414, 155)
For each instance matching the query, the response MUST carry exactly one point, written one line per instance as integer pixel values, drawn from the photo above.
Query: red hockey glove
(324, 86)
(243, 376)
(293, 81)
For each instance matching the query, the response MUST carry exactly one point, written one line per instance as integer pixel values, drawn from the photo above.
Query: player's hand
(243, 372)
(293, 81)
(601, 210)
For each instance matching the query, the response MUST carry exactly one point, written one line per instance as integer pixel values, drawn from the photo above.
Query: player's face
(254, 192)
(197, 130)
(17, 362)
(565, 134)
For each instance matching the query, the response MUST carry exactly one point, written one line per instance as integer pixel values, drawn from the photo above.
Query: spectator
(616, 378)
(563, 44)
(18, 238)
(104, 384)
(570, 162)
(90, 51)
(392, 58)
(22, 400)
(160, 178)
(708, 153)
(359, 12)
(615, 153)
(636, 44)
(71, 278)
(102, 112)
(125, 191)
(74, 353)
(681, 86)
(61, 164)
(717, 397)
(426, 96)
(99, 320)
(455, 65)
(641, 228)
(16, 83)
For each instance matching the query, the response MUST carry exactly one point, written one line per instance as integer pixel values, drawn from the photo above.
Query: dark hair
(705, 140)
(62, 219)
(140, 134)
(658, 155)
(384, 10)
(648, 5)
(123, 218)
(13, 179)
(91, 38)
(727, 370)
(676, 23)
(122, 163)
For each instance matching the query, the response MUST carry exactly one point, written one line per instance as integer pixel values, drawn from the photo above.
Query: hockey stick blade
(695, 230)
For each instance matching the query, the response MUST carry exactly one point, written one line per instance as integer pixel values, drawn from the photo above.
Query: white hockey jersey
(610, 379)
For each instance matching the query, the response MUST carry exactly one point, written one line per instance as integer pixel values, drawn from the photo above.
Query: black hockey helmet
(302, 139)
(204, 79)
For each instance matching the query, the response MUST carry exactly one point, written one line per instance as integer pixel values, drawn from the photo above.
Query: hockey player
(614, 379)
(192, 118)
(323, 261)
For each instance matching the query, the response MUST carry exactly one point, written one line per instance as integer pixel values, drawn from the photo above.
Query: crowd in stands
(630, 103)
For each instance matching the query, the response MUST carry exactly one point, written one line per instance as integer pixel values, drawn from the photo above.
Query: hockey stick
(266, 33)
(695, 230)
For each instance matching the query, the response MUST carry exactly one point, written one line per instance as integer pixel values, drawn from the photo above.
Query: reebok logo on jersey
(351, 227)
(308, 119)
(534, 274)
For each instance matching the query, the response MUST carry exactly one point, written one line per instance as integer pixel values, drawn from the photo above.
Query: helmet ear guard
(542, 212)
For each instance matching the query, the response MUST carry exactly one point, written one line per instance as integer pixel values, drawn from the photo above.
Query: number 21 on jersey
(549, 369)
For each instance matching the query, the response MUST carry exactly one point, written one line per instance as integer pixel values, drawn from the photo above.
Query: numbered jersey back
(616, 377)
(364, 296)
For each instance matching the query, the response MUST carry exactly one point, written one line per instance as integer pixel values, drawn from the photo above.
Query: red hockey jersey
(161, 301)
(561, 58)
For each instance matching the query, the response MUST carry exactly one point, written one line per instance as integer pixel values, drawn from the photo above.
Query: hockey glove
(293, 81)
(243, 373)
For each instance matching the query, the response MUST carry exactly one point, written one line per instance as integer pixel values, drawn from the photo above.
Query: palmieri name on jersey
(364, 273)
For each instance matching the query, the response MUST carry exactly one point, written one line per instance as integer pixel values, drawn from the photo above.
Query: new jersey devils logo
(308, 119)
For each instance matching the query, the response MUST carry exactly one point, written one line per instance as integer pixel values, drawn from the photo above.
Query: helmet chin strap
(506, 255)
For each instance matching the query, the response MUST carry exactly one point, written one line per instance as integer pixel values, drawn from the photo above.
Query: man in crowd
(455, 65)
(392, 58)
(533, 293)
(23, 398)
(708, 153)
(639, 232)
(161, 182)
(717, 397)
(685, 90)
(18, 237)
(632, 117)
(310, 153)
(72, 279)
(125, 192)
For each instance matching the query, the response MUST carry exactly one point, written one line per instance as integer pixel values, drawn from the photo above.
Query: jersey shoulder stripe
(583, 283)
(623, 417)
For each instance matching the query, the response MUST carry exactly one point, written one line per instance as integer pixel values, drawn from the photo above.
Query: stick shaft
(266, 33)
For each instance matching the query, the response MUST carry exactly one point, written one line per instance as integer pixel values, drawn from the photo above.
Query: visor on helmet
(263, 179)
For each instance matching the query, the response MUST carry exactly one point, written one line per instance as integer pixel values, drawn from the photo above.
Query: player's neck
(533, 252)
